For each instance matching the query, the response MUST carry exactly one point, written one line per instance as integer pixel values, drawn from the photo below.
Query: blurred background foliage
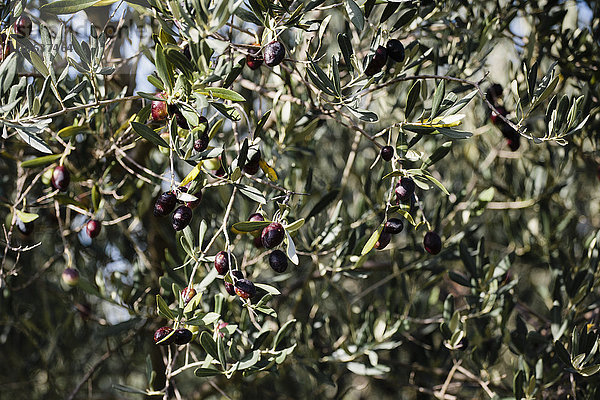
(508, 309)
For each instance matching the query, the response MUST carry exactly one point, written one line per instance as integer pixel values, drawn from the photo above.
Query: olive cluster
(269, 237)
(59, 179)
(273, 54)
(166, 335)
(166, 203)
(405, 194)
(394, 50)
(160, 110)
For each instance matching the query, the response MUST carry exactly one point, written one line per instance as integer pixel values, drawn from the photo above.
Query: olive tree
(300, 199)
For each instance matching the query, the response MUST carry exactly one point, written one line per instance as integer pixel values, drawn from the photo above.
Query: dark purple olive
(254, 59)
(93, 228)
(23, 25)
(495, 118)
(405, 189)
(383, 241)
(182, 217)
(272, 235)
(162, 333)
(70, 276)
(387, 152)
(182, 336)
(222, 262)
(60, 178)
(201, 143)
(159, 108)
(274, 53)
(257, 242)
(393, 226)
(508, 131)
(181, 121)
(187, 294)
(26, 228)
(377, 62)
(278, 261)
(256, 217)
(165, 203)
(432, 242)
(395, 50)
(235, 276)
(253, 164)
(514, 144)
(513, 139)
(245, 289)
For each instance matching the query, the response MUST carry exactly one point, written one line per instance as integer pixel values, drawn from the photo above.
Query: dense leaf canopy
(318, 199)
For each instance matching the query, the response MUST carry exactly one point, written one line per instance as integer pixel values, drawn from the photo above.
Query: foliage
(508, 309)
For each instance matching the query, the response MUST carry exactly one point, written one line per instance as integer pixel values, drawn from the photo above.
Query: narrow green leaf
(96, 197)
(39, 161)
(547, 92)
(261, 123)
(163, 69)
(347, 51)
(72, 130)
(250, 226)
(589, 371)
(294, 226)
(210, 317)
(438, 95)
(388, 11)
(460, 279)
(364, 115)
(436, 183)
(229, 112)
(532, 78)
(404, 19)
(204, 372)
(291, 249)
(155, 82)
(413, 95)
(148, 134)
(372, 241)
(209, 345)
(283, 332)
(38, 63)
(67, 6)
(248, 361)
(336, 75)
(268, 288)
(437, 155)
(26, 217)
(163, 307)
(355, 14)
(221, 351)
(454, 134)
(252, 193)
(222, 93)
(29, 137)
